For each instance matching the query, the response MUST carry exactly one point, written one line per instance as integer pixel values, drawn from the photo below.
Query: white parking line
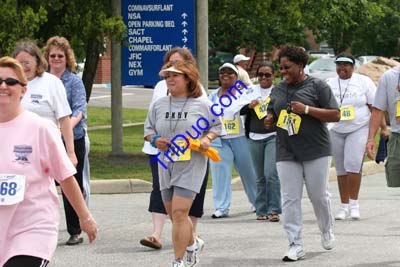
(107, 96)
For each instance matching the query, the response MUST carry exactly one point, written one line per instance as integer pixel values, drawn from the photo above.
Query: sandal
(274, 217)
(262, 217)
(151, 242)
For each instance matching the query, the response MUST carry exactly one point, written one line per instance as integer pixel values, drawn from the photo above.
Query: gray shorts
(349, 150)
(167, 194)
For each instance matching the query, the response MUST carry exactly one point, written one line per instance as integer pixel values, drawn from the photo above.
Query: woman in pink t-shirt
(32, 153)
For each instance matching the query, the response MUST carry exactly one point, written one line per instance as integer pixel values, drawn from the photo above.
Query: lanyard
(340, 91)
(289, 99)
(170, 112)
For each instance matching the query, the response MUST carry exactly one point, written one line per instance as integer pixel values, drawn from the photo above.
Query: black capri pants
(156, 204)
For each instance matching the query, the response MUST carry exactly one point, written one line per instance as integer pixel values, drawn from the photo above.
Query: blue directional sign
(154, 27)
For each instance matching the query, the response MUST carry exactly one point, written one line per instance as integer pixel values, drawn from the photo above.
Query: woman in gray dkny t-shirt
(170, 121)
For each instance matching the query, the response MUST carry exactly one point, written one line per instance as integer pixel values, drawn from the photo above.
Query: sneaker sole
(300, 257)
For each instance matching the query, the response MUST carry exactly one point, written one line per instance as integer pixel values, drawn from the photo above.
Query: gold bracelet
(209, 137)
(371, 140)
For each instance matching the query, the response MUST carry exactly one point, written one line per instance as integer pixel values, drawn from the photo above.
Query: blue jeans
(234, 150)
(268, 199)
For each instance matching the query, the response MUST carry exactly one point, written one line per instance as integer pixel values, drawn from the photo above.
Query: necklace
(340, 91)
(172, 130)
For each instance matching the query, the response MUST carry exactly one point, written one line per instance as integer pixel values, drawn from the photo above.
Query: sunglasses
(286, 67)
(266, 74)
(56, 56)
(10, 82)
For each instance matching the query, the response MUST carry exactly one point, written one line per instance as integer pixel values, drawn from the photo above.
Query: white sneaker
(342, 214)
(294, 253)
(200, 244)
(253, 209)
(328, 240)
(192, 257)
(178, 263)
(219, 214)
(355, 212)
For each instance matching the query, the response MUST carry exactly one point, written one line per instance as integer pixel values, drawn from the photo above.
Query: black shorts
(26, 261)
(156, 203)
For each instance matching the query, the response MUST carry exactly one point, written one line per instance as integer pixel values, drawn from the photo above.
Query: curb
(128, 186)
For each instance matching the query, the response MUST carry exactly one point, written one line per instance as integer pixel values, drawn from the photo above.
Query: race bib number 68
(12, 188)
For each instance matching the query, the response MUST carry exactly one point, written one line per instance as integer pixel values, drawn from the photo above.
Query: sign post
(153, 29)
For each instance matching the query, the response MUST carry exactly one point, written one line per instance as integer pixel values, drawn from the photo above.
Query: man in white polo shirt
(241, 63)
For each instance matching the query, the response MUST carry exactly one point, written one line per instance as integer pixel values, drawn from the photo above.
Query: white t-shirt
(358, 91)
(244, 76)
(257, 93)
(47, 97)
(160, 90)
(32, 146)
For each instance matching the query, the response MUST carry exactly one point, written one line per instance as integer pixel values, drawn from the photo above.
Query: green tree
(84, 22)
(18, 22)
(255, 24)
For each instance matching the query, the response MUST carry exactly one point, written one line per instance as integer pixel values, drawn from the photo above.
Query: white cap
(230, 66)
(163, 72)
(240, 57)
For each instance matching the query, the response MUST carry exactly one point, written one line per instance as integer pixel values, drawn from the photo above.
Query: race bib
(177, 155)
(12, 189)
(289, 122)
(398, 108)
(347, 113)
(231, 126)
(261, 108)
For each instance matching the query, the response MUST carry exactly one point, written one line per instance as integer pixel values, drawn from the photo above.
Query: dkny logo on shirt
(176, 115)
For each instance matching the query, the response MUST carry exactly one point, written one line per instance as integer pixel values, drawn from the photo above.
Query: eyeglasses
(262, 74)
(26, 63)
(226, 72)
(286, 67)
(56, 56)
(10, 81)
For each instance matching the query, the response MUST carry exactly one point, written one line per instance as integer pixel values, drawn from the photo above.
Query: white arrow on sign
(184, 39)
(184, 31)
(184, 23)
(184, 15)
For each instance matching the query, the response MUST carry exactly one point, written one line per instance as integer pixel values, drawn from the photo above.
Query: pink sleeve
(54, 158)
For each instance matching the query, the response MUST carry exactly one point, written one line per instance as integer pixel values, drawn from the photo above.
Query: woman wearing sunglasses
(233, 147)
(32, 156)
(61, 58)
(300, 106)
(262, 144)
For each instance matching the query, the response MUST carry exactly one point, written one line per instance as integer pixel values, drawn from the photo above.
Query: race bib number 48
(12, 189)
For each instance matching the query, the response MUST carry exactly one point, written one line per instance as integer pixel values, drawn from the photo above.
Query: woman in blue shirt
(60, 56)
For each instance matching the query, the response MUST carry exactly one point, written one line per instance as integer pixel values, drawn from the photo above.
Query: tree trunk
(89, 72)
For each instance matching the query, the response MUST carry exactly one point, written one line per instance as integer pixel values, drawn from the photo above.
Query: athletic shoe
(253, 209)
(219, 214)
(328, 240)
(294, 253)
(354, 212)
(178, 263)
(192, 257)
(342, 214)
(200, 244)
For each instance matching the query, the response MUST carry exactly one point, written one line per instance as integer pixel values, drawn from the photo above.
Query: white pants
(315, 174)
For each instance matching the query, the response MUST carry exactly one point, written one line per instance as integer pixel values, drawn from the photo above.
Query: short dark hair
(266, 64)
(296, 54)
